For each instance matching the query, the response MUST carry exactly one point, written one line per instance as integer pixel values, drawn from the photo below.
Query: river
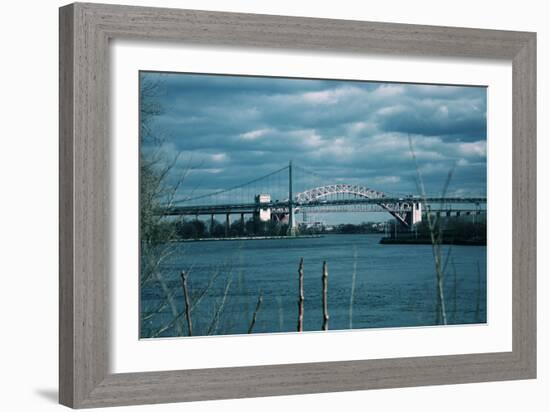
(394, 284)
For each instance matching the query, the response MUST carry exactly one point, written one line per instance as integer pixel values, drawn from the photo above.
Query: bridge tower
(291, 220)
(263, 211)
(414, 215)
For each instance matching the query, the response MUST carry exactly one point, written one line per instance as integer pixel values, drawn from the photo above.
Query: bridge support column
(212, 224)
(255, 221)
(291, 231)
(243, 229)
(227, 224)
(414, 215)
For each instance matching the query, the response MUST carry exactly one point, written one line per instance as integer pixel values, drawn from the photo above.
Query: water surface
(394, 284)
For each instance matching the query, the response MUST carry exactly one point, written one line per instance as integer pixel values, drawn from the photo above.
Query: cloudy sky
(232, 129)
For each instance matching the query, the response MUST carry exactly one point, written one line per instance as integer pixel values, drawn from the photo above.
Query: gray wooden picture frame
(85, 31)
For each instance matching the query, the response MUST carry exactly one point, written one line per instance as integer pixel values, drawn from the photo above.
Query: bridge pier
(227, 224)
(408, 217)
(212, 224)
(242, 224)
(291, 231)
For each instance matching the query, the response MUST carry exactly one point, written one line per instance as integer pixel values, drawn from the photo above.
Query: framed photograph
(256, 205)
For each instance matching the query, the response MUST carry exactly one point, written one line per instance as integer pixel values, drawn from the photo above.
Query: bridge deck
(282, 206)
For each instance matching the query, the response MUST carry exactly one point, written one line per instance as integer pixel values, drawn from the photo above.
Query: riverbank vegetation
(198, 229)
(451, 231)
(454, 230)
(175, 302)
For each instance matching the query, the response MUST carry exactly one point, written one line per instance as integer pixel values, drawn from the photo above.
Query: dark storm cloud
(462, 118)
(233, 129)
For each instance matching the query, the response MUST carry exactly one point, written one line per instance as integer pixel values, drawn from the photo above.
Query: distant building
(315, 225)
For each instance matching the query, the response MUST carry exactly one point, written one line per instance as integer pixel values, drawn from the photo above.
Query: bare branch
(170, 299)
(187, 302)
(214, 324)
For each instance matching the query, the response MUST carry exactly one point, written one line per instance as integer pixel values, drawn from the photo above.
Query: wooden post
(187, 302)
(325, 300)
(301, 295)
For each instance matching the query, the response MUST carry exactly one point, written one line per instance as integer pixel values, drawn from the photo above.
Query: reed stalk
(478, 300)
(455, 287)
(352, 294)
(436, 234)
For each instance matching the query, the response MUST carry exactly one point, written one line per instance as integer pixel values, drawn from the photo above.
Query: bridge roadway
(401, 204)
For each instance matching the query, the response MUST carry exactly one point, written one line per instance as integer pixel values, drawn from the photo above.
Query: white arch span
(316, 193)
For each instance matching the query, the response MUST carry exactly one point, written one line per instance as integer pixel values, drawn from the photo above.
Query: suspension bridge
(282, 194)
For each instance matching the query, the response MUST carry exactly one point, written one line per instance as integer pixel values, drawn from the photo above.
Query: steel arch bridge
(341, 188)
(340, 197)
(403, 211)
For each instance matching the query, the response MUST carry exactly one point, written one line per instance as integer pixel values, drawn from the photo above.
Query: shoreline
(426, 241)
(218, 239)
